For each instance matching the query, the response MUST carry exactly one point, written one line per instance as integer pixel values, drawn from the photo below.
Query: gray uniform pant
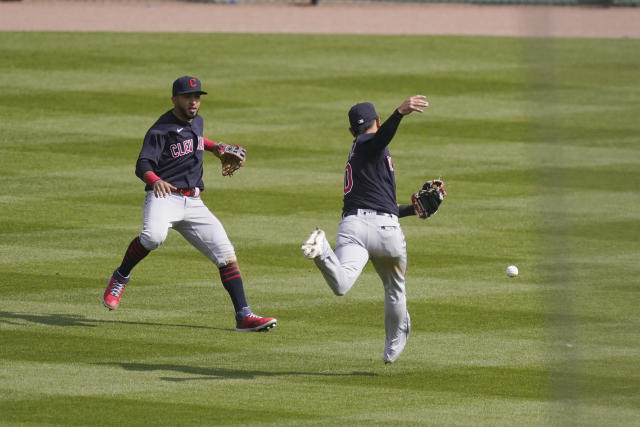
(379, 238)
(191, 218)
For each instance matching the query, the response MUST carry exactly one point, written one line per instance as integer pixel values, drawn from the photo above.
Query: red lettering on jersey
(200, 143)
(175, 152)
(348, 179)
(182, 148)
(188, 146)
(390, 163)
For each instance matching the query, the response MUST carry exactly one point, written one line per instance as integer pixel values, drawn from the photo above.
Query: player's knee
(151, 240)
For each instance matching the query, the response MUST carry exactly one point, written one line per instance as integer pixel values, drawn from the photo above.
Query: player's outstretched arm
(217, 148)
(414, 103)
(387, 130)
(231, 156)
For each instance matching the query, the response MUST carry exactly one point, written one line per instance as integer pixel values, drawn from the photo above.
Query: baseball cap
(187, 84)
(362, 113)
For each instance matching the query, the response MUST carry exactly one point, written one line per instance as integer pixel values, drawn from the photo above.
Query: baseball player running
(369, 228)
(170, 164)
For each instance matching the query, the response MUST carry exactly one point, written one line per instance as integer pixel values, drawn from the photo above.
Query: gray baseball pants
(191, 218)
(379, 238)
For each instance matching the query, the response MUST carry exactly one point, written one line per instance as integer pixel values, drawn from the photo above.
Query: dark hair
(362, 128)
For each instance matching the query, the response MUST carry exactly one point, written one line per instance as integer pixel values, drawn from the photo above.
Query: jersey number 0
(348, 179)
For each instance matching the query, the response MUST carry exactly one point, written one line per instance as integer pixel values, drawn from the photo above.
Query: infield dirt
(330, 18)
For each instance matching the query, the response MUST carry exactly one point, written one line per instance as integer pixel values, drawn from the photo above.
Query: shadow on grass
(83, 321)
(221, 373)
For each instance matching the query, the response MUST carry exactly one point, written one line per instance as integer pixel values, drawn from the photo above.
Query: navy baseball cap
(361, 113)
(187, 84)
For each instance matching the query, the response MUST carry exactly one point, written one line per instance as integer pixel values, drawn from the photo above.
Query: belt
(367, 212)
(191, 192)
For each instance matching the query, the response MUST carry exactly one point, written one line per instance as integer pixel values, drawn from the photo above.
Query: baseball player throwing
(369, 228)
(170, 164)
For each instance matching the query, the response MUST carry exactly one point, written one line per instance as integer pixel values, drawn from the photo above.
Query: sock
(232, 282)
(135, 253)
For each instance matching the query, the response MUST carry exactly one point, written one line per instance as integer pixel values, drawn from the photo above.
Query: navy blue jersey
(173, 150)
(369, 181)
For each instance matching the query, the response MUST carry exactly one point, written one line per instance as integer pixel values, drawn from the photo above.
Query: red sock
(135, 253)
(232, 282)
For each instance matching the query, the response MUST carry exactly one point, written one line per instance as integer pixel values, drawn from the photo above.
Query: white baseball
(512, 271)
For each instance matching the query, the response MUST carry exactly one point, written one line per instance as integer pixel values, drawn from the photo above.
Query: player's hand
(415, 103)
(218, 149)
(162, 188)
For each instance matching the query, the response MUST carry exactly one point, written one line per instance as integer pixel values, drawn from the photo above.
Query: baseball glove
(427, 201)
(232, 158)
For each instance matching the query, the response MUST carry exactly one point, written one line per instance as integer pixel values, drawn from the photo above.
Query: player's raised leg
(314, 246)
(340, 268)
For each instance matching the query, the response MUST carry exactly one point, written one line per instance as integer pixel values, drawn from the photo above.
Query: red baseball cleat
(254, 323)
(111, 297)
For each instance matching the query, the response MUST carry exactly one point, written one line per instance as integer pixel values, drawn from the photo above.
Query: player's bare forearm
(414, 103)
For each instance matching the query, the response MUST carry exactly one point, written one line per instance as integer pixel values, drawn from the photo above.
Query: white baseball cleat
(394, 348)
(314, 244)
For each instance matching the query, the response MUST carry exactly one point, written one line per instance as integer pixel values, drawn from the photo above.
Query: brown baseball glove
(232, 157)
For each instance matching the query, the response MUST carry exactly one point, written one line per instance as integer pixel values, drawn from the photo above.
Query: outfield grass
(536, 139)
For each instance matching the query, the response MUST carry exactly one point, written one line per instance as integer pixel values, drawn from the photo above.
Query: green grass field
(538, 141)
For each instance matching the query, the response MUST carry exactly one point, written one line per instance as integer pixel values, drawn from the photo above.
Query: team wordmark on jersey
(181, 148)
(185, 147)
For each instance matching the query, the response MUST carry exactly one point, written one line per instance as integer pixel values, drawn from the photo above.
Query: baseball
(512, 271)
